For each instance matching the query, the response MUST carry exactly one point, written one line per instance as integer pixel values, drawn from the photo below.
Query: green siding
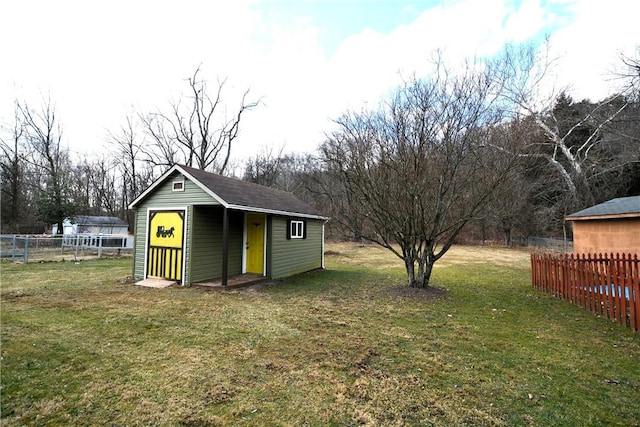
(236, 245)
(139, 233)
(203, 236)
(206, 256)
(164, 197)
(289, 257)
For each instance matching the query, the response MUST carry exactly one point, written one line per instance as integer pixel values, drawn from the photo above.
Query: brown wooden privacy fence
(607, 285)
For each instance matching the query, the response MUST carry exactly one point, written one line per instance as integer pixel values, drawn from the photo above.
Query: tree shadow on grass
(428, 293)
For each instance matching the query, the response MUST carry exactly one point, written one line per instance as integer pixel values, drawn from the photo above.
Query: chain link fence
(546, 243)
(40, 248)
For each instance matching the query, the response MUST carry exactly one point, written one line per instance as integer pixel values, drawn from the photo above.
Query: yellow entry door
(255, 243)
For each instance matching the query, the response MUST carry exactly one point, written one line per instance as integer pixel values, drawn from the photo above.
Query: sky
(307, 61)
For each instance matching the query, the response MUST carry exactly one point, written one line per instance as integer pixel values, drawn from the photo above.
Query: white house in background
(88, 224)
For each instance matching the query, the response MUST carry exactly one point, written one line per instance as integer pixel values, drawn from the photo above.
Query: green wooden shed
(194, 226)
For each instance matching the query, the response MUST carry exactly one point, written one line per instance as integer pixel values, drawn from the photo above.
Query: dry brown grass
(82, 346)
(373, 256)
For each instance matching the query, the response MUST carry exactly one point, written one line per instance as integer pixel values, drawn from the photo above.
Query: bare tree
(418, 169)
(128, 147)
(81, 191)
(324, 184)
(509, 205)
(198, 131)
(103, 183)
(631, 74)
(294, 170)
(134, 173)
(12, 170)
(264, 168)
(575, 145)
(287, 172)
(44, 136)
(94, 186)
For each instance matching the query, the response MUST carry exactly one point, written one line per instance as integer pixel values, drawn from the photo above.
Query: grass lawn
(344, 346)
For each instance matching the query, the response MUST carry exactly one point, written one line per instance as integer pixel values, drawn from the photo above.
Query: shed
(609, 227)
(93, 224)
(194, 226)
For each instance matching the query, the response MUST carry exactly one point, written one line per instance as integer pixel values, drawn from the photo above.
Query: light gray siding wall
(139, 234)
(293, 256)
(164, 197)
(206, 254)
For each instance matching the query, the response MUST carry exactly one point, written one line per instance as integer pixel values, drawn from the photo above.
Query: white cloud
(588, 49)
(99, 59)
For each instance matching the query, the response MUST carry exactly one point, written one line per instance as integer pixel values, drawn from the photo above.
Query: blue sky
(307, 60)
(337, 20)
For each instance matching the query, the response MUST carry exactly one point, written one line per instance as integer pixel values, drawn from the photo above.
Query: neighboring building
(610, 227)
(194, 226)
(88, 224)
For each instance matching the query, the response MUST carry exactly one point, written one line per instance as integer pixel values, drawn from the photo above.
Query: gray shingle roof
(242, 193)
(627, 206)
(239, 193)
(98, 220)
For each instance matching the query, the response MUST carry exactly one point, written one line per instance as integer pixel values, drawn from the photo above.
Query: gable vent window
(296, 229)
(178, 185)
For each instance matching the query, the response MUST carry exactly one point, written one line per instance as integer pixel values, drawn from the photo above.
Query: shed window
(296, 229)
(178, 185)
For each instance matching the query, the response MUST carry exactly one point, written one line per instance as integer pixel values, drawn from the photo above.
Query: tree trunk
(507, 236)
(507, 226)
(424, 274)
(410, 267)
(15, 190)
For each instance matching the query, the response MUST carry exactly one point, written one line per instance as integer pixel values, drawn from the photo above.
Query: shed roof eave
(600, 217)
(152, 187)
(168, 173)
(277, 212)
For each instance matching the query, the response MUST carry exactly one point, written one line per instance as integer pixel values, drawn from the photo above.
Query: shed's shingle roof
(627, 206)
(238, 193)
(99, 220)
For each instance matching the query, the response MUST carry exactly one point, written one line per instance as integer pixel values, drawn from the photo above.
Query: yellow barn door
(255, 243)
(166, 231)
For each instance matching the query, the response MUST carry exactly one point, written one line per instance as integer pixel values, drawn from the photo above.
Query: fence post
(26, 249)
(611, 303)
(100, 246)
(597, 280)
(571, 271)
(13, 255)
(533, 270)
(634, 292)
(618, 282)
(582, 281)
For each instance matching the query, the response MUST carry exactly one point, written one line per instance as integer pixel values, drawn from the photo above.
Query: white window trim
(181, 185)
(296, 226)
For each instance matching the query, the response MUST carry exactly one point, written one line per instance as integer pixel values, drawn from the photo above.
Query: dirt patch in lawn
(428, 293)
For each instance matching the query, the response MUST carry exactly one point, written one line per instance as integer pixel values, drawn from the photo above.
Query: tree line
(43, 184)
(464, 152)
(482, 151)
